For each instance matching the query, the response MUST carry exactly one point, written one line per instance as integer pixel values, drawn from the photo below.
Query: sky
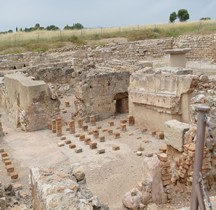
(97, 13)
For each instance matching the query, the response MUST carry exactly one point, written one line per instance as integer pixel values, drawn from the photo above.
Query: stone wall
(30, 103)
(159, 96)
(202, 46)
(62, 189)
(102, 93)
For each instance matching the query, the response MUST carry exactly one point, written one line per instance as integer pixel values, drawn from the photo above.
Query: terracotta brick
(102, 138)
(87, 141)
(110, 132)
(85, 127)
(117, 135)
(160, 135)
(5, 158)
(9, 168)
(82, 137)
(93, 145)
(111, 123)
(72, 146)
(8, 162)
(67, 141)
(14, 175)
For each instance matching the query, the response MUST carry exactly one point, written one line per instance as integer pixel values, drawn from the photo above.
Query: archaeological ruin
(110, 126)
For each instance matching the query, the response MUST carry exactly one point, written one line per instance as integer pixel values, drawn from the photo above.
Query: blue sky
(97, 13)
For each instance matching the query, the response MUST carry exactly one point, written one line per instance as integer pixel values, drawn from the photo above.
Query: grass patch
(41, 41)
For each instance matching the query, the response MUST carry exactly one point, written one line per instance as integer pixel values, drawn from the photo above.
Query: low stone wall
(62, 188)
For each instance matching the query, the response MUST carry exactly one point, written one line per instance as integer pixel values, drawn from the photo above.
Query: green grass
(41, 41)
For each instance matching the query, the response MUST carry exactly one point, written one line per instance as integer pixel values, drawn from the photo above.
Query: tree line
(75, 26)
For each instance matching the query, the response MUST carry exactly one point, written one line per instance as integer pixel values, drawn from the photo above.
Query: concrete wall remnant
(29, 103)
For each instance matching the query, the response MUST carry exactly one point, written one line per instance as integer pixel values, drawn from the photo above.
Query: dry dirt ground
(108, 175)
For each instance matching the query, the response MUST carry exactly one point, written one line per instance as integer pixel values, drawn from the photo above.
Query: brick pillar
(59, 126)
(80, 122)
(131, 120)
(54, 126)
(72, 126)
(92, 119)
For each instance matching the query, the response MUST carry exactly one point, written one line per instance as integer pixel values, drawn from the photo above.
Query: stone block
(174, 134)
(78, 150)
(60, 144)
(100, 151)
(63, 138)
(115, 147)
(1, 150)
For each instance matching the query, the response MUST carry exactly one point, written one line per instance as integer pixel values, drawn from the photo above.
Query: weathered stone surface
(174, 133)
(29, 102)
(160, 95)
(96, 94)
(152, 174)
(132, 200)
(52, 191)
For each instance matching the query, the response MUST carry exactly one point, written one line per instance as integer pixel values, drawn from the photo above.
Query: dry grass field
(44, 40)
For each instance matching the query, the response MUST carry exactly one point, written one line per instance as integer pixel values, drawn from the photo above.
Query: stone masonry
(163, 94)
(102, 93)
(29, 103)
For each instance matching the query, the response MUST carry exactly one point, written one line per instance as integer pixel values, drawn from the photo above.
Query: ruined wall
(98, 93)
(159, 96)
(62, 189)
(29, 103)
(202, 46)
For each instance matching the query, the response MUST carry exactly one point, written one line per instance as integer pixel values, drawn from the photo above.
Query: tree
(52, 28)
(77, 26)
(173, 17)
(37, 26)
(205, 18)
(183, 15)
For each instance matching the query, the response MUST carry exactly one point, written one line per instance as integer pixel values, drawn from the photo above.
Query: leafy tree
(173, 17)
(37, 26)
(183, 15)
(78, 26)
(205, 18)
(52, 28)
(16, 29)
